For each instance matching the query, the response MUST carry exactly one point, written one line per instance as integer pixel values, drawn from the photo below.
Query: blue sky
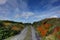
(29, 10)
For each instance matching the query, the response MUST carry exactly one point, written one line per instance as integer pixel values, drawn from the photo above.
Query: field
(9, 28)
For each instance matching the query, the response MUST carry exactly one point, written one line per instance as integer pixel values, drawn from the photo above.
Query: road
(27, 34)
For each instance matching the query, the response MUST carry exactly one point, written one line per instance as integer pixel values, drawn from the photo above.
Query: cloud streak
(24, 15)
(53, 12)
(54, 16)
(3, 2)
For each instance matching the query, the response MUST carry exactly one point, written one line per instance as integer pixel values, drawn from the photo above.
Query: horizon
(29, 11)
(27, 22)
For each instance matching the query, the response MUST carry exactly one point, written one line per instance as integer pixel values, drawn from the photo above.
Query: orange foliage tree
(15, 28)
(43, 29)
(47, 26)
(57, 32)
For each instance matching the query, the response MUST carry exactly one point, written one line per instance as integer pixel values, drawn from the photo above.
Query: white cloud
(52, 1)
(48, 14)
(21, 4)
(3, 1)
(40, 16)
(4, 18)
(54, 16)
(17, 16)
(48, 4)
(25, 15)
(13, 3)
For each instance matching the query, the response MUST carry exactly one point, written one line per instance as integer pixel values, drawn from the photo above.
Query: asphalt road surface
(27, 34)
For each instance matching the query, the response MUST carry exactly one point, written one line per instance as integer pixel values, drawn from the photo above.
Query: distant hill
(53, 21)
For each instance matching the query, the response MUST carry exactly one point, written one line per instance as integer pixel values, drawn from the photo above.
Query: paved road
(27, 34)
(33, 34)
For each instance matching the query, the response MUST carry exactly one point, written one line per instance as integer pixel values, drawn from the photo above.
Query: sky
(29, 10)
